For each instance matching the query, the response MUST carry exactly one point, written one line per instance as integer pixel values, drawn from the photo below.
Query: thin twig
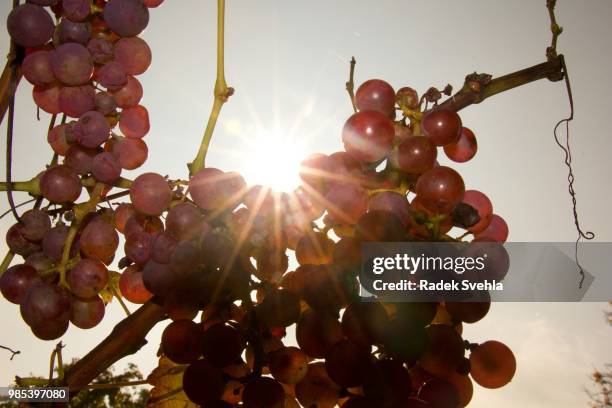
(116, 385)
(120, 300)
(555, 29)
(222, 92)
(13, 352)
(6, 262)
(350, 85)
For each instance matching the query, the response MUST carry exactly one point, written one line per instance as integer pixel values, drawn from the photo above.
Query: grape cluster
(215, 247)
(83, 64)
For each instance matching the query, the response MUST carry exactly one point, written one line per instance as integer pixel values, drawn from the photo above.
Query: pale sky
(289, 61)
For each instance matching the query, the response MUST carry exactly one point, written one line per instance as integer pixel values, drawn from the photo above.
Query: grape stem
(10, 350)
(222, 92)
(555, 29)
(6, 262)
(30, 186)
(350, 85)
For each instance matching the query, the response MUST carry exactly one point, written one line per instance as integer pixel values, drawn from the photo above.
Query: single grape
(314, 249)
(288, 364)
(106, 167)
(150, 194)
(17, 242)
(35, 224)
(468, 312)
(142, 223)
(392, 202)
(123, 212)
(162, 247)
(388, 381)
(439, 393)
(127, 18)
(442, 126)
(16, 281)
(111, 75)
(80, 159)
(75, 101)
(492, 364)
(59, 184)
(181, 341)
(87, 278)
(57, 139)
(464, 148)
(407, 97)
(138, 247)
(87, 313)
(483, 205)
(184, 221)
(42, 263)
(105, 103)
(157, 278)
(53, 242)
(416, 155)
(444, 351)
(348, 364)
(222, 345)
(69, 31)
(379, 226)
(364, 323)
(496, 230)
(133, 54)
(316, 389)
(47, 97)
(132, 287)
(212, 189)
(72, 64)
(45, 303)
(404, 340)
(346, 203)
(134, 121)
(92, 129)
(36, 68)
(263, 392)
(440, 189)
(130, 94)
(30, 25)
(368, 136)
(76, 10)
(280, 308)
(317, 332)
(99, 240)
(376, 95)
(131, 153)
(182, 304)
(203, 382)
(316, 170)
(101, 50)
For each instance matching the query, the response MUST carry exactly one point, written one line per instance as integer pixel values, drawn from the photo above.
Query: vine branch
(222, 92)
(10, 350)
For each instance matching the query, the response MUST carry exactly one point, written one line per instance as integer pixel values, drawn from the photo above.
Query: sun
(273, 161)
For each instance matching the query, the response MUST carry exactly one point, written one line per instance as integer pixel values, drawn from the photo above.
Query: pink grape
(132, 286)
(59, 184)
(376, 95)
(111, 76)
(57, 139)
(88, 313)
(368, 136)
(132, 153)
(105, 103)
(101, 50)
(36, 68)
(76, 10)
(130, 94)
(72, 64)
(464, 148)
(16, 281)
(483, 205)
(80, 159)
(150, 194)
(134, 121)
(106, 168)
(212, 189)
(30, 25)
(127, 18)
(75, 101)
(87, 278)
(99, 240)
(47, 98)
(133, 54)
(184, 221)
(92, 129)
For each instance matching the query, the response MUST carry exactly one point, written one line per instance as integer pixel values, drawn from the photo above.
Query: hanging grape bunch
(213, 247)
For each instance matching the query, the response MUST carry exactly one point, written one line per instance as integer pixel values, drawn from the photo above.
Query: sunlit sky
(288, 62)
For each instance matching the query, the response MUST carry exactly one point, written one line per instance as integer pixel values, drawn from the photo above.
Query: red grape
(184, 221)
(105, 103)
(35, 224)
(123, 212)
(181, 341)
(76, 10)
(42, 263)
(75, 101)
(133, 54)
(80, 159)
(101, 50)
(150, 194)
(392, 202)
(317, 332)
(45, 303)
(317, 389)
(314, 249)
(348, 363)
(134, 121)
(111, 76)
(163, 245)
(132, 286)
(442, 126)
(18, 244)
(30, 25)
(263, 392)
(59, 184)
(87, 278)
(407, 97)
(316, 170)
(69, 31)
(53, 242)
(222, 345)
(416, 155)
(376, 95)
(157, 278)
(368, 136)
(57, 139)
(87, 313)
(439, 394)
(280, 308)
(444, 350)
(464, 148)
(16, 281)
(130, 94)
(36, 68)
(127, 18)
(47, 98)
(99, 240)
(153, 3)
(92, 129)
(288, 364)
(492, 364)
(497, 230)
(440, 189)
(483, 205)
(364, 322)
(203, 383)
(346, 203)
(106, 168)
(212, 189)
(131, 153)
(138, 247)
(72, 64)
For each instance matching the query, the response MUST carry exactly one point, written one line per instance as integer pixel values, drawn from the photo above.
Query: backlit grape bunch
(215, 253)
